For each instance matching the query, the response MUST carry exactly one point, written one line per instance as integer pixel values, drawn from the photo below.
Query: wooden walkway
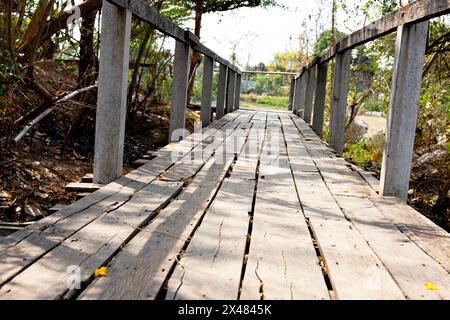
(256, 208)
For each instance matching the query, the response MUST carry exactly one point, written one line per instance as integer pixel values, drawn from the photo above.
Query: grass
(271, 102)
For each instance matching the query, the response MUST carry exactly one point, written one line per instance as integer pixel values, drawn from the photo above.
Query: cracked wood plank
(141, 207)
(51, 231)
(140, 269)
(410, 267)
(90, 247)
(211, 266)
(351, 264)
(143, 174)
(431, 238)
(282, 263)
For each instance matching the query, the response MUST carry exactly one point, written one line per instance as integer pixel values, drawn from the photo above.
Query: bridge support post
(339, 101)
(298, 94)
(112, 93)
(303, 88)
(179, 91)
(291, 95)
(207, 85)
(230, 90)
(309, 94)
(237, 90)
(403, 106)
(221, 91)
(319, 98)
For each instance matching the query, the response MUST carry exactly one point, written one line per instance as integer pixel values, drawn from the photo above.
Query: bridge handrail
(414, 12)
(150, 15)
(411, 24)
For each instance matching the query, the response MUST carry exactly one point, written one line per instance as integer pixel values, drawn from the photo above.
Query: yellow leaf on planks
(101, 272)
(430, 286)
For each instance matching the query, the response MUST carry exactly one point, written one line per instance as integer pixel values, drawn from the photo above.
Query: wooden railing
(411, 24)
(113, 77)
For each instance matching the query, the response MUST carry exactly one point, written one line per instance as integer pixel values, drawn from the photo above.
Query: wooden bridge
(255, 206)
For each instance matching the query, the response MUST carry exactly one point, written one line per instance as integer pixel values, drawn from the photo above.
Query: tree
(201, 7)
(288, 61)
(326, 40)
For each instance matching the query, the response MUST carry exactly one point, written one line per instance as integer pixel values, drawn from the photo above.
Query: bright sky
(259, 33)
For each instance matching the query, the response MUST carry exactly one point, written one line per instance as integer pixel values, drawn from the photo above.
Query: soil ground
(35, 171)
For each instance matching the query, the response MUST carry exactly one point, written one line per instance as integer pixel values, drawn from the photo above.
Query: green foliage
(373, 105)
(367, 153)
(280, 103)
(9, 70)
(288, 61)
(324, 41)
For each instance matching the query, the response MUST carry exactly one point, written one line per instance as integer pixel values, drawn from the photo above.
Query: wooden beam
(414, 12)
(339, 101)
(304, 77)
(291, 94)
(319, 98)
(207, 86)
(150, 15)
(221, 91)
(403, 106)
(237, 92)
(112, 93)
(309, 94)
(179, 92)
(270, 72)
(230, 90)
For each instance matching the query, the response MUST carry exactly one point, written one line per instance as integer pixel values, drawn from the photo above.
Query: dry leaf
(101, 272)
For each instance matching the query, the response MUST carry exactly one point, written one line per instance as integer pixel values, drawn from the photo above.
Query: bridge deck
(257, 207)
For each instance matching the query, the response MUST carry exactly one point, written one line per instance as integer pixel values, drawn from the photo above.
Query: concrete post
(237, 94)
(339, 101)
(403, 106)
(230, 90)
(319, 98)
(309, 94)
(291, 95)
(112, 93)
(221, 91)
(207, 85)
(179, 91)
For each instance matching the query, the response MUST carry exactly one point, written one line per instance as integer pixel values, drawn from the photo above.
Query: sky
(261, 32)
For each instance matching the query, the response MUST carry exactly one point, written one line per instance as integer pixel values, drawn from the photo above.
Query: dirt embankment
(35, 171)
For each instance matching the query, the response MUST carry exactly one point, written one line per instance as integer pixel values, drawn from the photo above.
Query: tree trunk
(87, 72)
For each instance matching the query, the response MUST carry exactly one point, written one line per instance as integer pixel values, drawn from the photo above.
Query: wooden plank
(82, 187)
(211, 266)
(433, 240)
(319, 98)
(369, 177)
(140, 269)
(134, 180)
(88, 253)
(410, 267)
(87, 177)
(90, 247)
(282, 263)
(24, 247)
(351, 264)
